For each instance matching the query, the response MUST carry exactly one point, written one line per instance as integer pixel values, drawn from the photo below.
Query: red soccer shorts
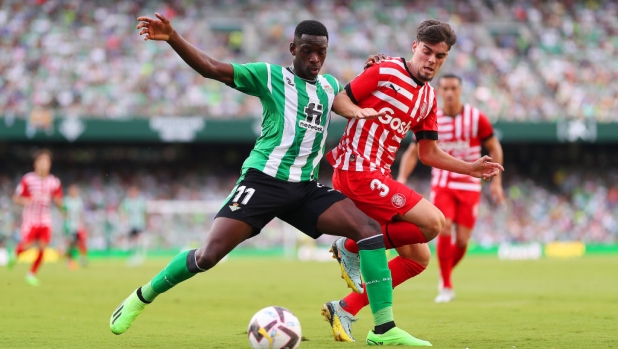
(40, 233)
(460, 206)
(378, 195)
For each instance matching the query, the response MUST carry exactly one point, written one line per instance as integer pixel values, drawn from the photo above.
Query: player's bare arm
(21, 200)
(344, 106)
(160, 29)
(495, 152)
(431, 155)
(408, 162)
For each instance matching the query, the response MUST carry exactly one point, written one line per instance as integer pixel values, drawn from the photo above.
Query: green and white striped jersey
(295, 118)
(73, 208)
(135, 209)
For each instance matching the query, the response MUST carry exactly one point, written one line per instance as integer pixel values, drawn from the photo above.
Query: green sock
(377, 276)
(181, 268)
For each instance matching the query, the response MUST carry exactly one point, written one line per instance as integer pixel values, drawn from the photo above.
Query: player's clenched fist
(155, 29)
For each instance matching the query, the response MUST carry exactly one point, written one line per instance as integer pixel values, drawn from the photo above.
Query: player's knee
(435, 225)
(423, 256)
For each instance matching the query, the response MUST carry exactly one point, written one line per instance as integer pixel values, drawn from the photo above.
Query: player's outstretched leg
(350, 265)
(340, 321)
(181, 268)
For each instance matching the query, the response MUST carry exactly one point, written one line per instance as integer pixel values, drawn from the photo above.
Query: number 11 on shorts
(243, 190)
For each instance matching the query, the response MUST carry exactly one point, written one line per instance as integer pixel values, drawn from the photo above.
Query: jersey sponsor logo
(396, 124)
(450, 146)
(313, 117)
(398, 200)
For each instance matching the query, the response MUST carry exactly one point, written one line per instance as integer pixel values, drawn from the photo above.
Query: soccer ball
(274, 328)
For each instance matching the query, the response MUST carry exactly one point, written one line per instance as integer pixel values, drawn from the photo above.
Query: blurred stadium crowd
(522, 60)
(576, 205)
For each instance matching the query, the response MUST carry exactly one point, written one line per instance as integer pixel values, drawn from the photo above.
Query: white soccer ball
(274, 328)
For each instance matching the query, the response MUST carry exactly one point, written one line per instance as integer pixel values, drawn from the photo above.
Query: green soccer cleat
(32, 280)
(340, 321)
(395, 336)
(350, 265)
(124, 315)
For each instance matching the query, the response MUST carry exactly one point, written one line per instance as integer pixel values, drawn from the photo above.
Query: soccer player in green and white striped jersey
(278, 179)
(133, 210)
(75, 235)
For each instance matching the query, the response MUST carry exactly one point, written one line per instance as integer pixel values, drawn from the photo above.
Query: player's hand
(368, 113)
(375, 59)
(155, 29)
(484, 168)
(497, 193)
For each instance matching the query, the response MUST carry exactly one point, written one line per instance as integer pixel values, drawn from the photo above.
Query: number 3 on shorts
(243, 190)
(376, 184)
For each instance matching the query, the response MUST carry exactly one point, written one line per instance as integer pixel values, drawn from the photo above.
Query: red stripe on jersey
(461, 136)
(41, 191)
(369, 145)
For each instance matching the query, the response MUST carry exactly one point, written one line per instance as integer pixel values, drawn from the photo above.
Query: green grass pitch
(549, 303)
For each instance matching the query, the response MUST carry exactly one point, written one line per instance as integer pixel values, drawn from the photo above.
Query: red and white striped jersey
(41, 190)
(461, 136)
(369, 145)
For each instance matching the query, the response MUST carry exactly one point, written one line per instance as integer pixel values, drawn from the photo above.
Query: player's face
(449, 89)
(73, 191)
(428, 59)
(42, 164)
(309, 55)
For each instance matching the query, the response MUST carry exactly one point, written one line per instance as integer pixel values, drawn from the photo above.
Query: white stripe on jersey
(421, 95)
(390, 100)
(369, 143)
(398, 74)
(307, 144)
(331, 99)
(466, 122)
(289, 126)
(381, 149)
(430, 104)
(357, 134)
(475, 122)
(398, 89)
(464, 186)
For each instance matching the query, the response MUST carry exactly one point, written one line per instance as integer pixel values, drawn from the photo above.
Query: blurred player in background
(133, 210)
(36, 192)
(462, 130)
(74, 230)
(363, 159)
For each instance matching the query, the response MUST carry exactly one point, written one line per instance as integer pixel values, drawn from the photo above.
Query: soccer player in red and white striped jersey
(366, 151)
(36, 192)
(462, 131)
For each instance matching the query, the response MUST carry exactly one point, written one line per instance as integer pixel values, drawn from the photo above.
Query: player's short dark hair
(451, 76)
(310, 27)
(42, 152)
(433, 31)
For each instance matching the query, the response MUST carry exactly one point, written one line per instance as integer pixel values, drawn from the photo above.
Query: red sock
(458, 254)
(445, 258)
(351, 245)
(19, 249)
(396, 234)
(401, 268)
(37, 262)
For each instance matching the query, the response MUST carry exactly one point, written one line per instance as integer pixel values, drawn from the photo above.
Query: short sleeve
(57, 193)
(22, 189)
(485, 128)
(428, 129)
(251, 78)
(364, 84)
